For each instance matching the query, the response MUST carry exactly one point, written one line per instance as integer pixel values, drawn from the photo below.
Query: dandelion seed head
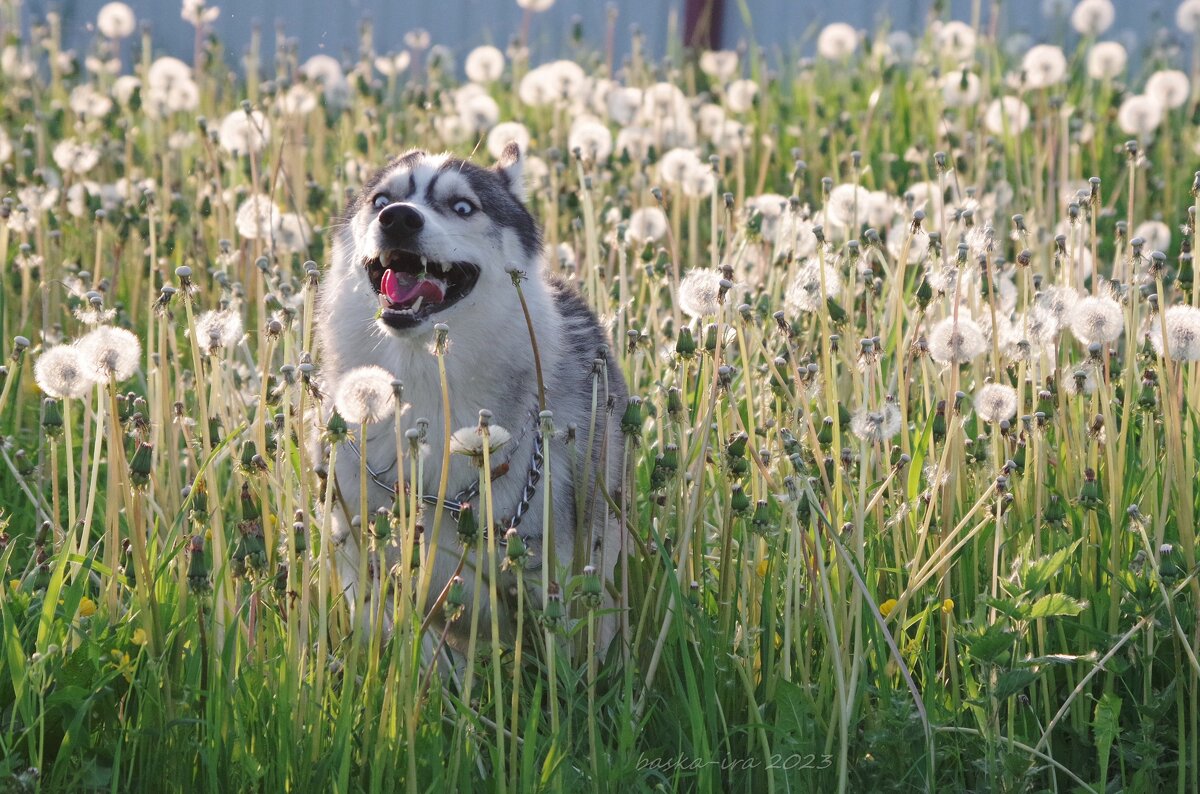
(956, 341)
(484, 64)
(218, 328)
(1093, 17)
(392, 65)
(837, 41)
(89, 103)
(1096, 319)
(1170, 87)
(960, 88)
(299, 100)
(675, 165)
(996, 402)
(804, 293)
(592, 137)
(876, 426)
(1187, 16)
(76, 156)
(1183, 333)
(63, 372)
(116, 20)
(699, 292)
(646, 225)
(848, 205)
(503, 134)
(720, 65)
(257, 218)
(955, 40)
(740, 94)
(1078, 382)
(1007, 115)
(244, 133)
(1106, 60)
(110, 353)
(1044, 65)
(1140, 115)
(469, 441)
(364, 395)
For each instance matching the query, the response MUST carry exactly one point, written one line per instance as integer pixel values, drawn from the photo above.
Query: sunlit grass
(908, 477)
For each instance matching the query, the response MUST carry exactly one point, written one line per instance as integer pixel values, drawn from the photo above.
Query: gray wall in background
(332, 26)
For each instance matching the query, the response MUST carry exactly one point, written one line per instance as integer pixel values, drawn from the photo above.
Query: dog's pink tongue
(405, 289)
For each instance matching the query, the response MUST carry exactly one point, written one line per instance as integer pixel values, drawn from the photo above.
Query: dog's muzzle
(411, 287)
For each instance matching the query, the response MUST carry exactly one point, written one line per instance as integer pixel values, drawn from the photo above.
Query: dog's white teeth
(417, 303)
(424, 262)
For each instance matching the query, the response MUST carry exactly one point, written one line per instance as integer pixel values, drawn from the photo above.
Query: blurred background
(785, 27)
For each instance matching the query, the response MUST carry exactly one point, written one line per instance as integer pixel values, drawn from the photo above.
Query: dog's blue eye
(381, 201)
(463, 207)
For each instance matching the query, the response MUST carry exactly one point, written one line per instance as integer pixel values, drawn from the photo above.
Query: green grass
(956, 603)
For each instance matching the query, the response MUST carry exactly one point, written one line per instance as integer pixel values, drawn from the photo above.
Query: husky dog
(433, 239)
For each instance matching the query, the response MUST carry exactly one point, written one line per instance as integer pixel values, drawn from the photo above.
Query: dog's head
(429, 232)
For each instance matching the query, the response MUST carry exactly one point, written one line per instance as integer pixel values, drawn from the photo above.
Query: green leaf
(1036, 574)
(990, 644)
(1054, 605)
(1013, 682)
(1106, 725)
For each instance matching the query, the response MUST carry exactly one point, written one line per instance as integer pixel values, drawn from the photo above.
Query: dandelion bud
(20, 345)
(441, 333)
(1090, 496)
(674, 403)
(553, 612)
(141, 464)
(197, 565)
(631, 420)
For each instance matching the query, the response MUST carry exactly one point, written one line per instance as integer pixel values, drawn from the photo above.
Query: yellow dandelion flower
(762, 570)
(14, 584)
(886, 607)
(87, 607)
(947, 606)
(139, 636)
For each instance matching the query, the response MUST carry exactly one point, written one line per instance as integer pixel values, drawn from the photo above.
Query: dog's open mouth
(412, 287)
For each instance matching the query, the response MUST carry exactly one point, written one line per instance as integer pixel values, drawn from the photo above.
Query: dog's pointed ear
(511, 166)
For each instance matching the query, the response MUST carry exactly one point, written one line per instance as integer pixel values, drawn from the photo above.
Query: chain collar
(454, 506)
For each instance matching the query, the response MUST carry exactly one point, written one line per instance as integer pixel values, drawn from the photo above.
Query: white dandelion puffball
(299, 100)
(116, 20)
(1140, 115)
(1096, 320)
(848, 205)
(503, 134)
(1156, 234)
(1106, 60)
(89, 103)
(218, 328)
(1170, 87)
(699, 292)
(484, 64)
(1183, 333)
(837, 41)
(955, 40)
(535, 5)
(244, 133)
(123, 88)
(1044, 65)
(996, 402)
(805, 294)
(646, 225)
(76, 156)
(198, 12)
(960, 88)
(364, 395)
(591, 137)
(740, 94)
(110, 353)
(1008, 114)
(876, 426)
(257, 218)
(166, 72)
(954, 341)
(392, 65)
(469, 440)
(1187, 16)
(674, 166)
(622, 104)
(1093, 17)
(1078, 382)
(63, 372)
(720, 65)
(293, 235)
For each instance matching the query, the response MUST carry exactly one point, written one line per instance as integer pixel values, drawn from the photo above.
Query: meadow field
(913, 330)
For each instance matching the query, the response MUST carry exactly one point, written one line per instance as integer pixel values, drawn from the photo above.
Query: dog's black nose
(401, 220)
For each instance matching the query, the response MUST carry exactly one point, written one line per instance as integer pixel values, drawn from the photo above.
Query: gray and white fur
(448, 210)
